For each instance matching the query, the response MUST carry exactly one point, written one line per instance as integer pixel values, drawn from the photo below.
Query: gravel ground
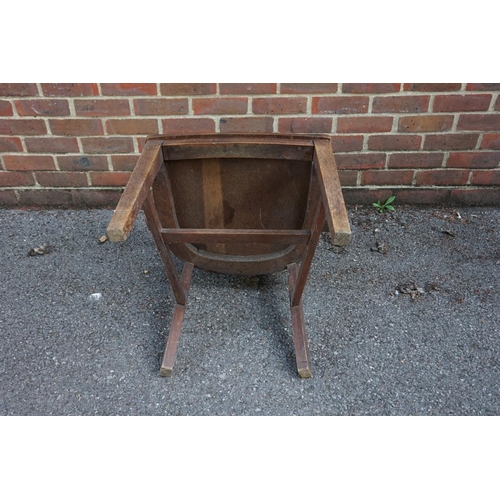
(404, 321)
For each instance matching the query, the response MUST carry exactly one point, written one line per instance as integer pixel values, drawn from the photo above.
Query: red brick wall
(75, 144)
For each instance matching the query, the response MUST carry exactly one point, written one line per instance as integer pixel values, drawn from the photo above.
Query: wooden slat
(285, 237)
(154, 226)
(238, 150)
(336, 213)
(167, 364)
(298, 328)
(135, 193)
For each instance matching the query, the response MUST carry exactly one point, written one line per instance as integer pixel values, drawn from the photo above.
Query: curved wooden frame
(149, 188)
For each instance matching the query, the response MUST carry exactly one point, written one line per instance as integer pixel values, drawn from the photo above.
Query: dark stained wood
(167, 364)
(319, 221)
(256, 236)
(238, 150)
(298, 328)
(135, 193)
(153, 223)
(336, 213)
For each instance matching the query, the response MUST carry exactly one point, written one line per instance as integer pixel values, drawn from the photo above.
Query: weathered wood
(154, 226)
(238, 150)
(336, 213)
(135, 193)
(298, 328)
(319, 221)
(167, 364)
(256, 236)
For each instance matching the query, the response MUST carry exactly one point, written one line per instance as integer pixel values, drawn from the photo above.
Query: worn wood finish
(298, 328)
(167, 364)
(135, 193)
(154, 227)
(255, 236)
(303, 273)
(336, 213)
(239, 204)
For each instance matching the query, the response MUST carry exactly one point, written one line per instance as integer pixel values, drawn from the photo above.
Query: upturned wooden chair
(238, 204)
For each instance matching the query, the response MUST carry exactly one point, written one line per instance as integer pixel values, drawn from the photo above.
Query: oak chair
(237, 204)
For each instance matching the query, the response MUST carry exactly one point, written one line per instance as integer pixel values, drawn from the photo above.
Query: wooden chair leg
(298, 327)
(167, 364)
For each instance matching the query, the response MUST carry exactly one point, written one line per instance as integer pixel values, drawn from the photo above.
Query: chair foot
(167, 364)
(298, 328)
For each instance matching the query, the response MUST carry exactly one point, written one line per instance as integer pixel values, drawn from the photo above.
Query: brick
(425, 123)
(8, 198)
(483, 86)
(387, 177)
(247, 88)
(479, 122)
(247, 124)
(187, 89)
(18, 89)
(486, 177)
(370, 88)
(348, 177)
(51, 145)
(340, 105)
(346, 124)
(360, 161)
(82, 163)
(450, 141)
(442, 178)
(436, 196)
(394, 142)
(467, 102)
(477, 197)
(124, 162)
(432, 87)
(29, 162)
(95, 198)
(75, 126)
(42, 107)
(16, 179)
(308, 88)
(347, 143)
(102, 107)
(10, 144)
(491, 141)
(220, 106)
(128, 89)
(474, 160)
(109, 178)
(24, 126)
(365, 196)
(69, 89)
(61, 179)
(161, 107)
(416, 160)
(107, 145)
(132, 126)
(45, 198)
(305, 125)
(188, 125)
(497, 104)
(279, 105)
(401, 104)
(6, 108)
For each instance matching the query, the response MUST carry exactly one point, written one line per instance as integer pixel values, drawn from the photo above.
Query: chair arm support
(136, 191)
(328, 177)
